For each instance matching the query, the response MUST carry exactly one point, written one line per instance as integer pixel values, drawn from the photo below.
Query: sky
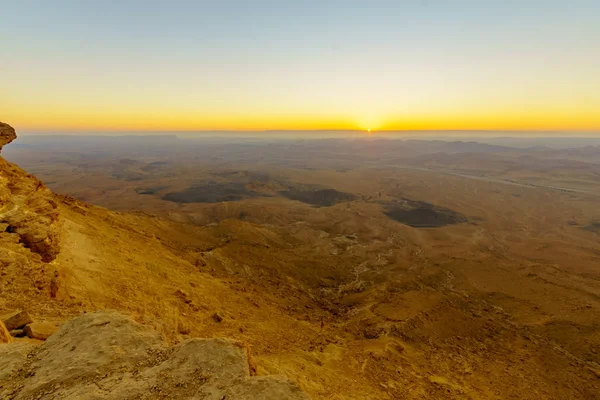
(530, 65)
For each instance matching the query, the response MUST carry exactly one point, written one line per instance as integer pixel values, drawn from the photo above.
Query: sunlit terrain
(402, 253)
(295, 200)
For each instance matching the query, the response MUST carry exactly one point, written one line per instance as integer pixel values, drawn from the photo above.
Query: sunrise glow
(479, 70)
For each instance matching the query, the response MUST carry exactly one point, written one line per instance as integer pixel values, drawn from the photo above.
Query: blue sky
(310, 64)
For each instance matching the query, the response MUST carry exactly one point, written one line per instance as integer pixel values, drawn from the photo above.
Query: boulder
(183, 328)
(16, 320)
(40, 330)
(219, 316)
(183, 296)
(17, 333)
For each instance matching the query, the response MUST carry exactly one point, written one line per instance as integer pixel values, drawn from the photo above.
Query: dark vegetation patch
(129, 176)
(150, 190)
(127, 170)
(155, 166)
(243, 176)
(594, 226)
(212, 193)
(235, 185)
(420, 214)
(318, 197)
(128, 161)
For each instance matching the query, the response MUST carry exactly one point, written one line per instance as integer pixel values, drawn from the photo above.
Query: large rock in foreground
(16, 320)
(105, 355)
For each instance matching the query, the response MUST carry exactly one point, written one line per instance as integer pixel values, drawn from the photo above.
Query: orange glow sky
(386, 65)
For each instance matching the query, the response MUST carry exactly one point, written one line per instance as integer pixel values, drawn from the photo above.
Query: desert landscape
(293, 200)
(357, 268)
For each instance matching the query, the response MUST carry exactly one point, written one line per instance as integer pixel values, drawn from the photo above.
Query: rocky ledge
(105, 355)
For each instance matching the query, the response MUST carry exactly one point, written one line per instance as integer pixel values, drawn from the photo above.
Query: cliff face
(28, 210)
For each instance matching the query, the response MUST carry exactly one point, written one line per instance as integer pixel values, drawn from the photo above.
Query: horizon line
(373, 131)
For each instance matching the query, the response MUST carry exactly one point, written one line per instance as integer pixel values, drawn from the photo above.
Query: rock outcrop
(105, 355)
(39, 330)
(5, 336)
(27, 208)
(7, 134)
(16, 320)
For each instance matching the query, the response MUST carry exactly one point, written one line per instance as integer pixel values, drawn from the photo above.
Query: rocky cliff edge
(28, 211)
